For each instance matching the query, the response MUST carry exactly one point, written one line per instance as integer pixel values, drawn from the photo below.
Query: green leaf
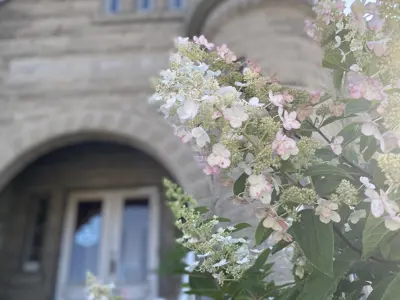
(203, 284)
(371, 149)
(279, 246)
(392, 91)
(316, 240)
(326, 185)
(390, 248)
(356, 106)
(338, 76)
(241, 226)
(393, 290)
(325, 154)
(380, 289)
(350, 133)
(261, 259)
(364, 141)
(262, 233)
(374, 233)
(290, 293)
(332, 61)
(324, 170)
(240, 184)
(201, 209)
(319, 286)
(332, 119)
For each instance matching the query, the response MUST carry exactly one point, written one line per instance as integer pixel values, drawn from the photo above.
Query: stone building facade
(82, 154)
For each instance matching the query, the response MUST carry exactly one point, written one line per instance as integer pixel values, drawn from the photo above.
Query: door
(113, 234)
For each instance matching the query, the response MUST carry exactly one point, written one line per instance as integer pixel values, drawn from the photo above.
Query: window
(143, 7)
(177, 4)
(35, 230)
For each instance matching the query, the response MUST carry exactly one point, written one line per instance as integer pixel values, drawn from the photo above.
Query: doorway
(114, 235)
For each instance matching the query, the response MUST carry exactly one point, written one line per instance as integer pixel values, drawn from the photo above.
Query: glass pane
(144, 5)
(86, 241)
(176, 4)
(132, 266)
(35, 237)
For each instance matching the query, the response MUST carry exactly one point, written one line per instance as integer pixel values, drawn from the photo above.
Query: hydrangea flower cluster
(217, 250)
(240, 120)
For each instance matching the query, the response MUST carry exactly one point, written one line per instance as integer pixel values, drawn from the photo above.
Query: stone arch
(270, 32)
(30, 139)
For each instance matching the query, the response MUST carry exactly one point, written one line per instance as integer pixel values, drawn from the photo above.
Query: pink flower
(277, 99)
(326, 211)
(315, 97)
(337, 109)
(380, 203)
(184, 134)
(373, 89)
(392, 222)
(208, 170)
(219, 156)
(356, 91)
(202, 41)
(303, 112)
(382, 107)
(258, 185)
(224, 52)
(287, 97)
(284, 146)
(280, 228)
(378, 47)
(289, 120)
(253, 67)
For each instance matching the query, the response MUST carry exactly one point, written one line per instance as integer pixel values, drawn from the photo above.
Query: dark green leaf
(316, 240)
(393, 290)
(319, 286)
(356, 106)
(201, 209)
(325, 154)
(290, 293)
(204, 284)
(261, 259)
(324, 170)
(241, 226)
(332, 61)
(364, 141)
(279, 246)
(371, 149)
(390, 249)
(374, 233)
(240, 184)
(262, 233)
(325, 185)
(350, 133)
(332, 119)
(379, 289)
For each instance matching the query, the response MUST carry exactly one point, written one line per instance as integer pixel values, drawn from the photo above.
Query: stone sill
(165, 16)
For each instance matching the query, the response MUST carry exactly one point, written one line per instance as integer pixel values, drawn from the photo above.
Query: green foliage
(317, 244)
(374, 234)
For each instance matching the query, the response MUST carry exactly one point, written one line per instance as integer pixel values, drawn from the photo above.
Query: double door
(114, 235)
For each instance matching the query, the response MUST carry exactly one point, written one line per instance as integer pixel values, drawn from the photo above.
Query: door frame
(74, 197)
